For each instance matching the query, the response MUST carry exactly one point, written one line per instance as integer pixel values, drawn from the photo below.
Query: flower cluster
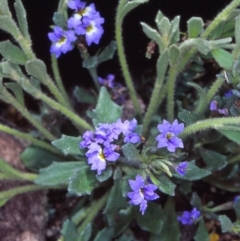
(188, 218)
(100, 143)
(214, 107)
(142, 192)
(168, 137)
(85, 21)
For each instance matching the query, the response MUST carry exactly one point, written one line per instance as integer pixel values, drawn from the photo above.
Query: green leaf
(236, 68)
(37, 69)
(202, 233)
(231, 135)
(196, 201)
(174, 35)
(159, 17)
(226, 223)
(174, 55)
(69, 145)
(195, 27)
(8, 25)
(106, 111)
(151, 221)
(35, 158)
(107, 53)
(90, 62)
(17, 90)
(202, 45)
(84, 96)
(22, 18)
(105, 234)
(170, 229)
(193, 172)
(130, 5)
(59, 20)
(12, 53)
(4, 9)
(115, 203)
(130, 152)
(58, 173)
(105, 175)
(164, 27)
(237, 29)
(165, 185)
(3, 201)
(69, 231)
(189, 117)
(214, 160)
(85, 235)
(224, 58)
(82, 182)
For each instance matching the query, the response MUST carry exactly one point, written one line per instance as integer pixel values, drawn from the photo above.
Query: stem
(162, 64)
(95, 207)
(19, 190)
(28, 137)
(11, 100)
(122, 58)
(59, 82)
(211, 93)
(173, 73)
(216, 123)
(222, 207)
(11, 172)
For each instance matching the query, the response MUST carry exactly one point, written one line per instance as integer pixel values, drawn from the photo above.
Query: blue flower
(88, 139)
(128, 129)
(181, 168)
(228, 93)
(168, 137)
(214, 107)
(142, 192)
(108, 81)
(62, 41)
(188, 218)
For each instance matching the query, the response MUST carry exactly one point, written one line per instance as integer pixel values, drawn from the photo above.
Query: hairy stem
(28, 137)
(11, 100)
(216, 123)
(122, 58)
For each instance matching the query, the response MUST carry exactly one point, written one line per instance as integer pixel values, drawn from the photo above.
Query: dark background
(40, 12)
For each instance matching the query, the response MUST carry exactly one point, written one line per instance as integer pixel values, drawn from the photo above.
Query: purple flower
(142, 192)
(228, 93)
(62, 41)
(181, 168)
(108, 81)
(94, 30)
(223, 111)
(128, 128)
(168, 137)
(213, 105)
(110, 154)
(88, 138)
(188, 218)
(236, 199)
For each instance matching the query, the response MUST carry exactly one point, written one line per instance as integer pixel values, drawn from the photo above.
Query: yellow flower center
(89, 28)
(169, 135)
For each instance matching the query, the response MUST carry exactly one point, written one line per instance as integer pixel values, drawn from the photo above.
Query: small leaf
(202, 233)
(35, 158)
(226, 223)
(17, 90)
(105, 234)
(203, 46)
(8, 25)
(130, 5)
(69, 231)
(165, 185)
(196, 201)
(107, 53)
(84, 96)
(151, 221)
(106, 110)
(115, 203)
(195, 27)
(130, 152)
(224, 58)
(3, 201)
(193, 172)
(59, 20)
(189, 117)
(12, 53)
(90, 62)
(58, 173)
(22, 19)
(4, 9)
(85, 235)
(164, 28)
(214, 160)
(82, 182)
(37, 69)
(231, 135)
(174, 35)
(69, 145)
(105, 175)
